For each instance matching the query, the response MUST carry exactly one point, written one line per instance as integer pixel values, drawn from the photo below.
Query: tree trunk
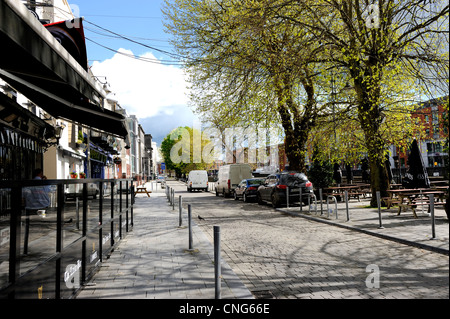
(370, 120)
(296, 128)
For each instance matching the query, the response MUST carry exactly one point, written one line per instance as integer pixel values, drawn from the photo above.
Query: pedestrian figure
(36, 197)
(36, 200)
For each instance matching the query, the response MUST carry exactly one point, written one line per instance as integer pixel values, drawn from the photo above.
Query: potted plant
(73, 174)
(82, 175)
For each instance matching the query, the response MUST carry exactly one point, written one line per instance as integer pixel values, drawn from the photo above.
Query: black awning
(82, 112)
(34, 63)
(21, 119)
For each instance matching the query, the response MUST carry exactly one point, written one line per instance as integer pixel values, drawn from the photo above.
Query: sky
(150, 88)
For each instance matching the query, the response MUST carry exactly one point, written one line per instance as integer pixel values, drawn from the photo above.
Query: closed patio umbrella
(416, 175)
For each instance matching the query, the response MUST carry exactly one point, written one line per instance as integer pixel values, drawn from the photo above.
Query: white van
(197, 180)
(230, 176)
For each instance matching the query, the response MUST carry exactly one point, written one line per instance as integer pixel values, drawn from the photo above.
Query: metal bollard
(335, 203)
(321, 201)
(301, 201)
(287, 196)
(190, 226)
(433, 222)
(173, 199)
(180, 210)
(379, 210)
(217, 262)
(346, 205)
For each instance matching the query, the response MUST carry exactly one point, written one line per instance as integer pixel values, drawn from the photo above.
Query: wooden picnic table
(353, 190)
(438, 183)
(411, 198)
(142, 190)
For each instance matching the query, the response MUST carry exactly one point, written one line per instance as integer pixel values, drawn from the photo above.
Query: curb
(368, 232)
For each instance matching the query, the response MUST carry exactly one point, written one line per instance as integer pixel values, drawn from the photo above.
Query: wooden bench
(356, 195)
(414, 205)
(142, 190)
(391, 201)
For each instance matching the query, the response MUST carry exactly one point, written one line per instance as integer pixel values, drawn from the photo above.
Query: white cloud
(144, 89)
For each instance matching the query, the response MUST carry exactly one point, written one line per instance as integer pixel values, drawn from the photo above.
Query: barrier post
(217, 263)
(287, 196)
(173, 199)
(301, 202)
(190, 226)
(180, 210)
(321, 201)
(346, 205)
(433, 222)
(379, 210)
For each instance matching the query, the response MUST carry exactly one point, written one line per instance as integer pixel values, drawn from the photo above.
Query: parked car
(229, 177)
(247, 189)
(162, 180)
(197, 180)
(276, 185)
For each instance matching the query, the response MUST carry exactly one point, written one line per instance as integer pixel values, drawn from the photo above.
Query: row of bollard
(334, 200)
(170, 194)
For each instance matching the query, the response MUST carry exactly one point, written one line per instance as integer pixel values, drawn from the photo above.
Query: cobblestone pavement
(273, 254)
(279, 255)
(154, 261)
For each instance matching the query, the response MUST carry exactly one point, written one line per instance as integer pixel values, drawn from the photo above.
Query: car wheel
(236, 196)
(244, 198)
(217, 192)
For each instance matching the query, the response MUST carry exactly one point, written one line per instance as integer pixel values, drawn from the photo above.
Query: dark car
(276, 185)
(247, 189)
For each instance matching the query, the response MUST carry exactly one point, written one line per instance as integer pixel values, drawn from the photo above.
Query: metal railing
(50, 252)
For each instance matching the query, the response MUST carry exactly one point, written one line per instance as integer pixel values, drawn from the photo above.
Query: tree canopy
(185, 149)
(344, 75)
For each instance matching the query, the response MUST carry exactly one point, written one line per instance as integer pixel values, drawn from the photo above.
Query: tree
(275, 57)
(185, 149)
(247, 64)
(379, 45)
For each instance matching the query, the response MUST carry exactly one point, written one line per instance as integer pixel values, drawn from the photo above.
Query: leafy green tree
(248, 66)
(185, 149)
(273, 60)
(390, 50)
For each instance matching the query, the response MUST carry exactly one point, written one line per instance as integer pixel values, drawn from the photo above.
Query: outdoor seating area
(412, 198)
(142, 190)
(354, 191)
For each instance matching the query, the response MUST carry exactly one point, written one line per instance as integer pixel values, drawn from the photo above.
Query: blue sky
(139, 19)
(153, 91)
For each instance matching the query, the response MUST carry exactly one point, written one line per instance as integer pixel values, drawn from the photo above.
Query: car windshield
(160, 177)
(293, 179)
(255, 181)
